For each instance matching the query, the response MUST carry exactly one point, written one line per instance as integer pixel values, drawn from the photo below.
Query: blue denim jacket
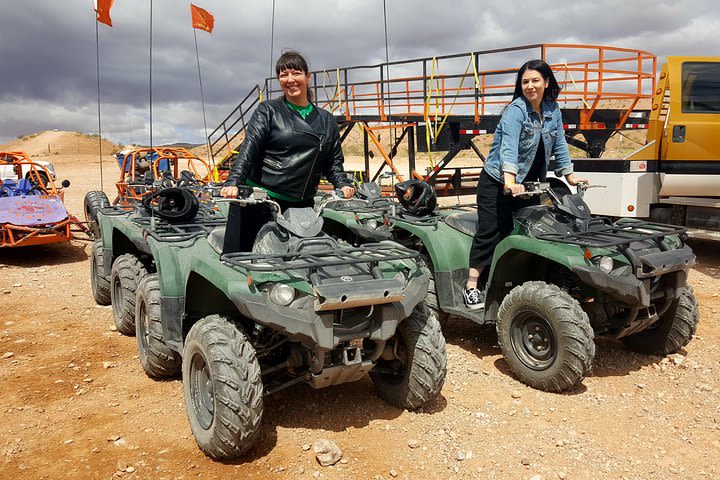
(517, 137)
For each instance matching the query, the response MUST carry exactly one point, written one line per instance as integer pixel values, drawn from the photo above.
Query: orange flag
(202, 19)
(102, 7)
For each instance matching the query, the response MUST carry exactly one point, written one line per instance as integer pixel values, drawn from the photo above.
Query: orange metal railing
(471, 84)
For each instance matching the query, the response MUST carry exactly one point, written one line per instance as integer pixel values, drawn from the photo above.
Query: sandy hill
(58, 142)
(52, 143)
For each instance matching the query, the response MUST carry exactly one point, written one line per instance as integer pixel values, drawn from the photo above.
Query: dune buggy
(145, 170)
(8, 171)
(32, 211)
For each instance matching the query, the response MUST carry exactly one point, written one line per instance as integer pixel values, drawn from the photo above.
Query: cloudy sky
(48, 78)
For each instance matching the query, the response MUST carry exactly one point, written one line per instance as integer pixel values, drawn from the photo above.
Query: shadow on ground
(708, 256)
(612, 358)
(44, 255)
(336, 408)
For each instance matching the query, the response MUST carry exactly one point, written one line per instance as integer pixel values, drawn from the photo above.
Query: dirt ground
(75, 402)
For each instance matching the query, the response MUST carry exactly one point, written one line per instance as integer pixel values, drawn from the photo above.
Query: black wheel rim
(93, 272)
(117, 297)
(202, 391)
(142, 328)
(533, 340)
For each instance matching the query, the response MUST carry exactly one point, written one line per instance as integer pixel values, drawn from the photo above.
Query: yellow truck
(675, 176)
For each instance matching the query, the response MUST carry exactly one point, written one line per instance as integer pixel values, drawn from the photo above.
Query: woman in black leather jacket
(289, 143)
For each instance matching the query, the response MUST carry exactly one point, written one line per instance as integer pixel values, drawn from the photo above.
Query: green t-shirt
(303, 111)
(272, 194)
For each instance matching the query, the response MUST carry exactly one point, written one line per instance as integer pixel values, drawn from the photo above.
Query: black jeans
(495, 220)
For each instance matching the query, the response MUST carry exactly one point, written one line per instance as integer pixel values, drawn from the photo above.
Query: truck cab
(675, 176)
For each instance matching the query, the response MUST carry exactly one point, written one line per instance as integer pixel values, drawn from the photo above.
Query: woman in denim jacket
(530, 132)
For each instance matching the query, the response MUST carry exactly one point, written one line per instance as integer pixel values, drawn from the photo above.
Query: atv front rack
(371, 253)
(623, 234)
(620, 233)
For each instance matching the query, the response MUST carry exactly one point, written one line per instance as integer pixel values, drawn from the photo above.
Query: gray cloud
(49, 57)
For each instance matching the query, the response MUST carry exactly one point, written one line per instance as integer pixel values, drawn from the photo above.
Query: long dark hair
(292, 60)
(553, 89)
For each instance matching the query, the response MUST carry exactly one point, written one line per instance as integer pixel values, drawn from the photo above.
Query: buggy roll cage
(19, 160)
(164, 159)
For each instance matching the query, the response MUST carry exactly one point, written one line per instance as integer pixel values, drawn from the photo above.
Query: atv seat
(24, 187)
(8, 188)
(216, 239)
(465, 222)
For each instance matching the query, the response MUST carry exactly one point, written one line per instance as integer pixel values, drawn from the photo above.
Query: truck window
(701, 87)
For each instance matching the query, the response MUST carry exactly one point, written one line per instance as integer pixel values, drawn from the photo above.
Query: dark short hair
(292, 60)
(553, 89)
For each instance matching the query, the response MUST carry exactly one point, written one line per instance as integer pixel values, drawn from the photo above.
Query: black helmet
(172, 204)
(416, 196)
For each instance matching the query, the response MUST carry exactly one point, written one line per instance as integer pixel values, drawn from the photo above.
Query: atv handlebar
(538, 188)
(531, 189)
(252, 196)
(335, 195)
(582, 187)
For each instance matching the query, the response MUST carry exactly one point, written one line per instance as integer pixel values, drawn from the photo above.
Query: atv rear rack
(426, 221)
(369, 253)
(164, 231)
(377, 206)
(621, 233)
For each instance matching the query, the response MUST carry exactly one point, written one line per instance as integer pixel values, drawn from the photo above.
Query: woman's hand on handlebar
(347, 191)
(574, 181)
(229, 192)
(515, 188)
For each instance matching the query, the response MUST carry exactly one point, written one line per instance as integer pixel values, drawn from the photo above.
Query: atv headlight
(605, 264)
(281, 294)
(372, 224)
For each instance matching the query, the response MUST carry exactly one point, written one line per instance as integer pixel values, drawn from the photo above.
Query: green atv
(560, 278)
(280, 304)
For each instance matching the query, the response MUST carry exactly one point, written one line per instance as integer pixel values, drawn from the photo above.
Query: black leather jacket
(284, 154)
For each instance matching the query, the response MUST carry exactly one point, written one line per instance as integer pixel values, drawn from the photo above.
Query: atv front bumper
(670, 268)
(321, 329)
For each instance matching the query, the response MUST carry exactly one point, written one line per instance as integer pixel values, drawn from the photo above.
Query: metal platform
(439, 104)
